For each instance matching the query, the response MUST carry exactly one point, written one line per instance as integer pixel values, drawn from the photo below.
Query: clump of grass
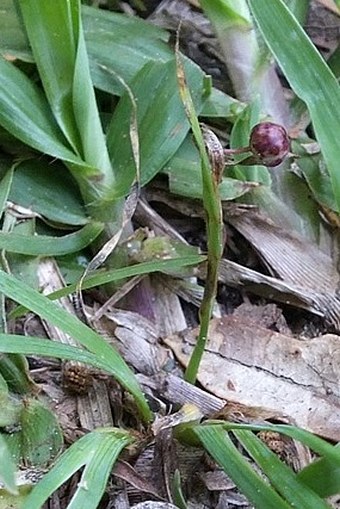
(62, 121)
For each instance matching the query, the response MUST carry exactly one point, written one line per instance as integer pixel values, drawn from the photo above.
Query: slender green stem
(214, 222)
(212, 166)
(212, 170)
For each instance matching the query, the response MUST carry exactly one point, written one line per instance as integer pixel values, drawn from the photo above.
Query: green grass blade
(12, 343)
(52, 29)
(234, 11)
(5, 187)
(299, 8)
(102, 278)
(41, 438)
(280, 475)
(25, 113)
(116, 44)
(219, 445)
(56, 37)
(7, 467)
(38, 186)
(177, 493)
(23, 294)
(87, 115)
(45, 245)
(13, 39)
(97, 471)
(162, 123)
(98, 451)
(308, 75)
(184, 173)
(317, 444)
(323, 475)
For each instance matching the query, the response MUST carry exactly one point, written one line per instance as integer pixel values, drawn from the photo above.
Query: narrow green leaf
(16, 344)
(5, 187)
(13, 39)
(87, 115)
(41, 436)
(52, 29)
(314, 442)
(38, 186)
(23, 294)
(233, 11)
(323, 475)
(211, 174)
(7, 467)
(162, 123)
(25, 113)
(219, 445)
(185, 179)
(308, 75)
(281, 477)
(96, 473)
(98, 451)
(56, 37)
(15, 370)
(318, 181)
(50, 246)
(105, 277)
(219, 104)
(177, 493)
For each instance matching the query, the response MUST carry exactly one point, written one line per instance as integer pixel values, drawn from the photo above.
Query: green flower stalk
(212, 165)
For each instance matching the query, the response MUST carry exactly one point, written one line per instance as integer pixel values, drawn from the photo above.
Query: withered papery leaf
(256, 367)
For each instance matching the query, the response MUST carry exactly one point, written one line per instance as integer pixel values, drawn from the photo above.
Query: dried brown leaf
(253, 366)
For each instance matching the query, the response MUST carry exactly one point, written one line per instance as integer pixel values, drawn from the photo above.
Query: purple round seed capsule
(269, 142)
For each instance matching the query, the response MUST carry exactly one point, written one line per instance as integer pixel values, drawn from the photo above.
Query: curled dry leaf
(188, 413)
(215, 152)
